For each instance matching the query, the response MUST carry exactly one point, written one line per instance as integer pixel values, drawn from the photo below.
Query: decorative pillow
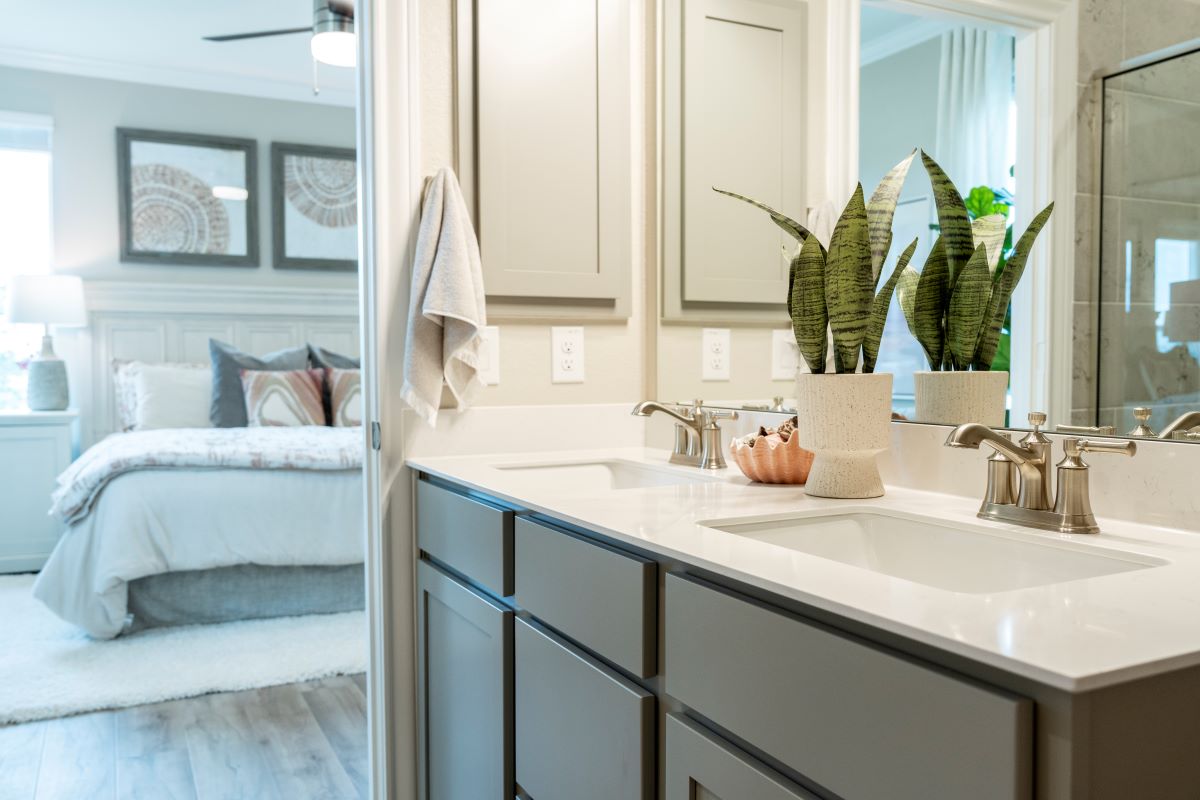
(168, 396)
(124, 376)
(283, 399)
(328, 359)
(345, 397)
(228, 399)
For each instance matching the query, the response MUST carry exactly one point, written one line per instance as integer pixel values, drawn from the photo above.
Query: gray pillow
(228, 400)
(327, 358)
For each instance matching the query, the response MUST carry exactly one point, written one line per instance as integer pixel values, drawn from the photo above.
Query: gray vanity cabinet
(464, 658)
(700, 766)
(583, 732)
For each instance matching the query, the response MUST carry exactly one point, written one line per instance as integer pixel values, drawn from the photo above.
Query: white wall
(898, 100)
(87, 111)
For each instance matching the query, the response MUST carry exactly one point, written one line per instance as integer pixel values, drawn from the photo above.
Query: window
(25, 235)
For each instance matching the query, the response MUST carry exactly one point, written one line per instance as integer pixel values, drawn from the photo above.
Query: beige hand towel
(447, 310)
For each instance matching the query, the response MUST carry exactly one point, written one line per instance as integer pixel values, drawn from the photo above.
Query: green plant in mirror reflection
(957, 304)
(835, 292)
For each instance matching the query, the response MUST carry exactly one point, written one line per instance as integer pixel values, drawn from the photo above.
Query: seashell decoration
(772, 455)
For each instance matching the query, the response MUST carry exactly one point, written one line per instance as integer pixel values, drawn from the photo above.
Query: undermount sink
(957, 558)
(602, 474)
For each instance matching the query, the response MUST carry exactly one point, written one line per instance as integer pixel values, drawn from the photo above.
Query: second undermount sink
(612, 473)
(958, 558)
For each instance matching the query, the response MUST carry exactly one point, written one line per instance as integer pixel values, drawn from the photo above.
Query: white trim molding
(202, 298)
(225, 82)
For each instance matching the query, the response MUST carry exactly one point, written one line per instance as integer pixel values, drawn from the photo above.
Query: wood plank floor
(292, 742)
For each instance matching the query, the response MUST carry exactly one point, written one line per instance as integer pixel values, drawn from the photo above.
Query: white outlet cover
(566, 355)
(715, 355)
(489, 356)
(785, 356)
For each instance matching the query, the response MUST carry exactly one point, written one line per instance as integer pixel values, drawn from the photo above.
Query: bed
(178, 526)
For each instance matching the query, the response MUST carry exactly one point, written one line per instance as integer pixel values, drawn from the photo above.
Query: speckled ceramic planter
(952, 398)
(845, 420)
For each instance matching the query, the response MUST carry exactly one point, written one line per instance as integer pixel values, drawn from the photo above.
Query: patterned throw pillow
(283, 398)
(345, 397)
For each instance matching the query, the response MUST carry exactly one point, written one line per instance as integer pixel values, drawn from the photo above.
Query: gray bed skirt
(245, 591)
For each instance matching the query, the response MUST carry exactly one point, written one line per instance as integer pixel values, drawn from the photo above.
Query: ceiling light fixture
(333, 41)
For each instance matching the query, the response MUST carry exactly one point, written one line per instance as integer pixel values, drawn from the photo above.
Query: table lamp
(47, 300)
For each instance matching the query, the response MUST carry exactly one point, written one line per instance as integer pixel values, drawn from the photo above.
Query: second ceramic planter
(952, 398)
(846, 421)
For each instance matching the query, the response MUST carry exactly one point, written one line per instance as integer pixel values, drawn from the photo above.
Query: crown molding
(157, 75)
(901, 38)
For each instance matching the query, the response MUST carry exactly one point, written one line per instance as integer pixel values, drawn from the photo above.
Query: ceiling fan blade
(233, 37)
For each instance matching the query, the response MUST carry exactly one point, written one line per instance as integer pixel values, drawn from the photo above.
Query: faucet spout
(1184, 423)
(1032, 460)
(648, 407)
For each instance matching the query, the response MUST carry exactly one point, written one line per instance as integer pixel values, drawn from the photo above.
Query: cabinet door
(31, 458)
(554, 168)
(583, 732)
(701, 766)
(740, 62)
(464, 652)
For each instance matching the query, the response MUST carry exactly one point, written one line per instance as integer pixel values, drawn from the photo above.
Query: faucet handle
(1099, 430)
(1037, 419)
(717, 414)
(1076, 446)
(1142, 415)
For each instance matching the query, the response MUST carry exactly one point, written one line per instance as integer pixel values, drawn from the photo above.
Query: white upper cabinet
(553, 81)
(734, 101)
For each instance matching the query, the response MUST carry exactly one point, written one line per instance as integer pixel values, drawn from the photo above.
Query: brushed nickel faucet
(697, 434)
(1071, 511)
(1184, 422)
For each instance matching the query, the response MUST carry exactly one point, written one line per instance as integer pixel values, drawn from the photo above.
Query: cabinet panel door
(464, 652)
(31, 458)
(742, 65)
(700, 766)
(582, 731)
(553, 81)
(467, 535)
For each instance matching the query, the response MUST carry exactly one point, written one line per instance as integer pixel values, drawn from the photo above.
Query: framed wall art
(187, 198)
(314, 207)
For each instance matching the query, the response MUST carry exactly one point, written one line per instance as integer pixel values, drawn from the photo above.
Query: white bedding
(151, 521)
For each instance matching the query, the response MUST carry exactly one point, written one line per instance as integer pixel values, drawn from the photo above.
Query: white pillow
(124, 375)
(172, 397)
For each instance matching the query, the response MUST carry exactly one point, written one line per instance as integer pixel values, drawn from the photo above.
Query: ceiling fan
(332, 33)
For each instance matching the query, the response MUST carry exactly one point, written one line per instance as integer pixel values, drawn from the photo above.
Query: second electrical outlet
(566, 355)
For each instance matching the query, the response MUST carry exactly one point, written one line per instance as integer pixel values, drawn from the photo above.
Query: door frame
(389, 191)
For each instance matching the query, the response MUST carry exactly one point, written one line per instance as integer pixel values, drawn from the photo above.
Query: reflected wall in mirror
(1149, 288)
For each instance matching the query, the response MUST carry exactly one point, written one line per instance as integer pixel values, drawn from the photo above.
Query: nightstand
(35, 447)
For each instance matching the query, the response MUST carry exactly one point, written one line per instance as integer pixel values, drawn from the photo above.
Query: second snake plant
(955, 306)
(835, 291)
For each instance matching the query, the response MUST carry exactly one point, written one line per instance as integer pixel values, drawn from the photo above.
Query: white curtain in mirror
(975, 89)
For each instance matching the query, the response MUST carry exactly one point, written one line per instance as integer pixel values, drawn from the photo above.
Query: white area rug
(50, 668)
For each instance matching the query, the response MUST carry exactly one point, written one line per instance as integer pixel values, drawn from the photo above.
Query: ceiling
(885, 30)
(159, 42)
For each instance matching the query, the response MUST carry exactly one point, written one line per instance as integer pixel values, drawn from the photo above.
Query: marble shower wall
(1110, 32)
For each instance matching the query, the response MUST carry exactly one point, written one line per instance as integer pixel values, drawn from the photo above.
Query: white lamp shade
(46, 300)
(336, 48)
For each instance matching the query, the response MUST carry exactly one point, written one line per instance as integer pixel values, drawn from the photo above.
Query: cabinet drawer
(859, 721)
(700, 765)
(582, 731)
(467, 535)
(600, 597)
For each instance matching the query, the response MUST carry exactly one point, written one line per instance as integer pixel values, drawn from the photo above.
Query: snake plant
(955, 306)
(832, 292)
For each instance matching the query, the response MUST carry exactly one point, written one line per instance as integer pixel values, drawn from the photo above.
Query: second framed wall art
(314, 207)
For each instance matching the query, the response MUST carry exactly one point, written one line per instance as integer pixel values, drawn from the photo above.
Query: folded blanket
(297, 448)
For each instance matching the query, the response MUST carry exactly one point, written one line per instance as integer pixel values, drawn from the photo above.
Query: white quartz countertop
(1077, 635)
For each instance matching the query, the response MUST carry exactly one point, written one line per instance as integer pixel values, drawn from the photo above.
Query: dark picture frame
(208, 218)
(280, 200)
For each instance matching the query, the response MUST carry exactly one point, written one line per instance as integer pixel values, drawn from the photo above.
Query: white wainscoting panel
(173, 323)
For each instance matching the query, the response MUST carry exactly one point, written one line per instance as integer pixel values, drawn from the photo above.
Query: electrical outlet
(785, 356)
(566, 355)
(489, 356)
(715, 354)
